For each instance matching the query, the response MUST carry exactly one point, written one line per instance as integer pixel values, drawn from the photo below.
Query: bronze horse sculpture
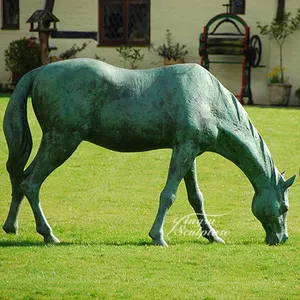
(182, 107)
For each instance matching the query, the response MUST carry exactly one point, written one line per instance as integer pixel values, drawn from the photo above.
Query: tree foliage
(279, 30)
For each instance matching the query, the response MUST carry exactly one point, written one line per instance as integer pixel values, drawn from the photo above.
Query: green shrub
(6, 88)
(22, 56)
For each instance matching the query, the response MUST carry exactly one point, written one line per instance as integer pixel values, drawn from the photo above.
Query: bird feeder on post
(44, 22)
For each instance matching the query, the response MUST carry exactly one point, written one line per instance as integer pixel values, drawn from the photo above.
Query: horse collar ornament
(182, 107)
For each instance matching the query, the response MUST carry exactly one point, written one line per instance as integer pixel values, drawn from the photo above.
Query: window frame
(5, 24)
(125, 40)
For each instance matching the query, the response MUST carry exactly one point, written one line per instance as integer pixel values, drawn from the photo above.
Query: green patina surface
(182, 107)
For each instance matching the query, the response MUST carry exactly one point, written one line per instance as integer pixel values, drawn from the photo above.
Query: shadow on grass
(18, 242)
(33, 243)
(139, 243)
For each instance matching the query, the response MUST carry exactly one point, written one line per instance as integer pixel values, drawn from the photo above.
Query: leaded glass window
(10, 14)
(124, 22)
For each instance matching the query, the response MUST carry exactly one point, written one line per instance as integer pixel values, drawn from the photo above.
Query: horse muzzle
(275, 239)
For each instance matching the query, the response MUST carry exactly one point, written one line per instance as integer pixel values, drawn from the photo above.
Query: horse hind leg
(196, 200)
(11, 223)
(15, 169)
(54, 150)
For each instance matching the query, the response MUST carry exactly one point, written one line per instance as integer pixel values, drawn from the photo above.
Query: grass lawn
(101, 205)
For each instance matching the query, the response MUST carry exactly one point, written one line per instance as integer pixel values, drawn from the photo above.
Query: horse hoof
(217, 240)
(158, 241)
(11, 229)
(161, 243)
(51, 240)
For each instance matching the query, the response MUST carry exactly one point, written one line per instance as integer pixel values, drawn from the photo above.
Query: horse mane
(245, 122)
(237, 125)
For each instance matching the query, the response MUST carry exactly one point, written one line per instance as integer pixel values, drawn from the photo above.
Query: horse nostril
(272, 240)
(284, 238)
(272, 243)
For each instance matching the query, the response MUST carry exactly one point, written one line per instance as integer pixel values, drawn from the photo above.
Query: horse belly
(128, 140)
(129, 131)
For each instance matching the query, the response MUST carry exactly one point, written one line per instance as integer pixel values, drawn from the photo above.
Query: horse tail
(16, 127)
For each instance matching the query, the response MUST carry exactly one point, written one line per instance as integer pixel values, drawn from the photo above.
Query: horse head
(270, 206)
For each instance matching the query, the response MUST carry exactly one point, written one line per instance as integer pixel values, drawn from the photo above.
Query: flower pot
(169, 62)
(279, 94)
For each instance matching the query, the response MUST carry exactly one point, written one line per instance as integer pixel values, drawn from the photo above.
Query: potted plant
(279, 30)
(279, 88)
(22, 56)
(130, 55)
(69, 53)
(172, 53)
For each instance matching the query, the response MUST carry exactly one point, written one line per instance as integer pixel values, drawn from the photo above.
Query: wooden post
(49, 5)
(280, 10)
(44, 42)
(44, 36)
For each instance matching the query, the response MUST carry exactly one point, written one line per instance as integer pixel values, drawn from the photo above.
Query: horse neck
(246, 148)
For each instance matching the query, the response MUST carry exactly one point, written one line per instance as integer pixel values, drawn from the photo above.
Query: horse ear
(289, 182)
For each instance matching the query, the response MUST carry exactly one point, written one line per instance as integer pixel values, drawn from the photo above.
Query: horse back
(119, 109)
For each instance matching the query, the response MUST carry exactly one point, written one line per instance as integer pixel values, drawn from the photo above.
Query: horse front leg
(167, 198)
(197, 202)
(181, 161)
